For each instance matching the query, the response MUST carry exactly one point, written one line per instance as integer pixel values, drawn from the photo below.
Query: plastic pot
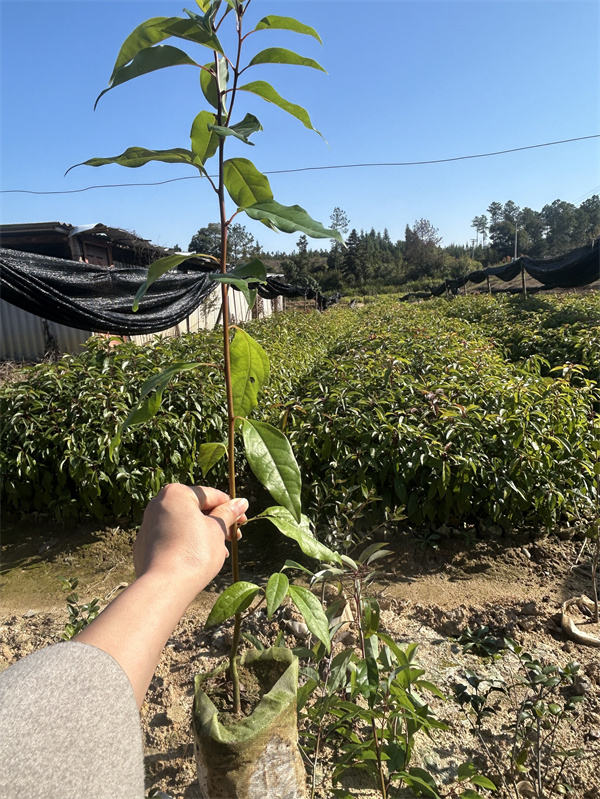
(257, 756)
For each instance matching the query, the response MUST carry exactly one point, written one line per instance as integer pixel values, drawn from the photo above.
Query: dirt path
(515, 586)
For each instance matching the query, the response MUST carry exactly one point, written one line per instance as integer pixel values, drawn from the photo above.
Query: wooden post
(523, 281)
(487, 277)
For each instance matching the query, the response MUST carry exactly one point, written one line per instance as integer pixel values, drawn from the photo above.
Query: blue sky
(405, 81)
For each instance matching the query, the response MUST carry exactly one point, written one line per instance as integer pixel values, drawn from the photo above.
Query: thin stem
(236, 68)
(595, 561)
(538, 757)
(363, 649)
(235, 680)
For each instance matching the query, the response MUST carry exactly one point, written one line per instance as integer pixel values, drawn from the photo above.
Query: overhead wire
(314, 168)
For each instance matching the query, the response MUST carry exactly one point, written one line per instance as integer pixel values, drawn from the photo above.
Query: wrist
(179, 584)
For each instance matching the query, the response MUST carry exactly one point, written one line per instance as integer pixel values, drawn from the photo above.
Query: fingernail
(240, 505)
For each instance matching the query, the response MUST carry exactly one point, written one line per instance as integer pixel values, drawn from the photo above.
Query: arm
(180, 548)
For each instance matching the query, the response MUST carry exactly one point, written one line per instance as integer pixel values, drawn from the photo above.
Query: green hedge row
(560, 328)
(424, 413)
(392, 409)
(59, 419)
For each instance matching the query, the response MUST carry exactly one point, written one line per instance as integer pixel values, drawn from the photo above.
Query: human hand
(183, 534)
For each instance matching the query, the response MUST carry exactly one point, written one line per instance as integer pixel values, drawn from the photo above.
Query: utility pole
(523, 285)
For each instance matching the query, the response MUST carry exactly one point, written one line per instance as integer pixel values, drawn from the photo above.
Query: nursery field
(463, 434)
(473, 412)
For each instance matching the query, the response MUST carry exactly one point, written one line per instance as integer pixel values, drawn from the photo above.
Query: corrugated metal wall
(206, 315)
(26, 337)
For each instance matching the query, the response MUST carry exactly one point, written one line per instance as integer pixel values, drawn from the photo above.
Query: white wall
(25, 336)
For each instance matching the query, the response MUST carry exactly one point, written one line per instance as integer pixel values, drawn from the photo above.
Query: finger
(229, 534)
(228, 513)
(209, 498)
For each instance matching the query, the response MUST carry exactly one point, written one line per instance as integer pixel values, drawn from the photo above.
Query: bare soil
(513, 584)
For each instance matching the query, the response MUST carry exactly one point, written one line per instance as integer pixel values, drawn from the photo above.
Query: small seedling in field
(245, 363)
(369, 701)
(530, 760)
(79, 615)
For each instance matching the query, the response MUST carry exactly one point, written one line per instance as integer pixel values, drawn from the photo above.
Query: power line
(314, 168)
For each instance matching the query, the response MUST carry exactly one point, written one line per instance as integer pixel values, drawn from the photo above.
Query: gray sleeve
(69, 727)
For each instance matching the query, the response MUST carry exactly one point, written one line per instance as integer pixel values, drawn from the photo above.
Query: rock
(160, 720)
(29, 614)
(582, 685)
(298, 629)
(593, 734)
(529, 609)
(526, 552)
(453, 623)
(222, 639)
(528, 624)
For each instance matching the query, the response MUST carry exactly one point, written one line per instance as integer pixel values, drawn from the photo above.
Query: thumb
(229, 512)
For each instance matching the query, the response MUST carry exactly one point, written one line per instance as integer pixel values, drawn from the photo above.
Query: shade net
(578, 267)
(99, 298)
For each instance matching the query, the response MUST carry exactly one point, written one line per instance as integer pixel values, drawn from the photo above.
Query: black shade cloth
(578, 267)
(477, 277)
(99, 298)
(505, 272)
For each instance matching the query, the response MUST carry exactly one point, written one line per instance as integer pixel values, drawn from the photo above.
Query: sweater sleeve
(69, 727)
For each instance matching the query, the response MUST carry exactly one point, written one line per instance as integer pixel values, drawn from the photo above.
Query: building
(26, 336)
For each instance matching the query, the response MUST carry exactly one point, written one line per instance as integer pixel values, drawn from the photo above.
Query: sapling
(245, 363)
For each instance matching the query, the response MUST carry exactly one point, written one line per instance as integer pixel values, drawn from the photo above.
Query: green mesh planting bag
(256, 757)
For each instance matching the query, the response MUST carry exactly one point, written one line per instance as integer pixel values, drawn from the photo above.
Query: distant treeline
(372, 262)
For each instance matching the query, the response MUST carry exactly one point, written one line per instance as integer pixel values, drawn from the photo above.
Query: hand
(183, 533)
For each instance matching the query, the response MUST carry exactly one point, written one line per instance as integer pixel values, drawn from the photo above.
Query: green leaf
(205, 142)
(273, 22)
(146, 409)
(276, 591)
(209, 454)
(138, 156)
(249, 372)
(422, 780)
(158, 269)
(289, 219)
(239, 283)
(263, 89)
(483, 782)
(208, 83)
(243, 277)
(299, 532)
(234, 599)
(368, 551)
(272, 461)
(465, 771)
(312, 612)
(293, 564)
(148, 60)
(241, 130)
(279, 55)
(149, 405)
(469, 793)
(157, 29)
(253, 270)
(160, 381)
(305, 691)
(245, 184)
